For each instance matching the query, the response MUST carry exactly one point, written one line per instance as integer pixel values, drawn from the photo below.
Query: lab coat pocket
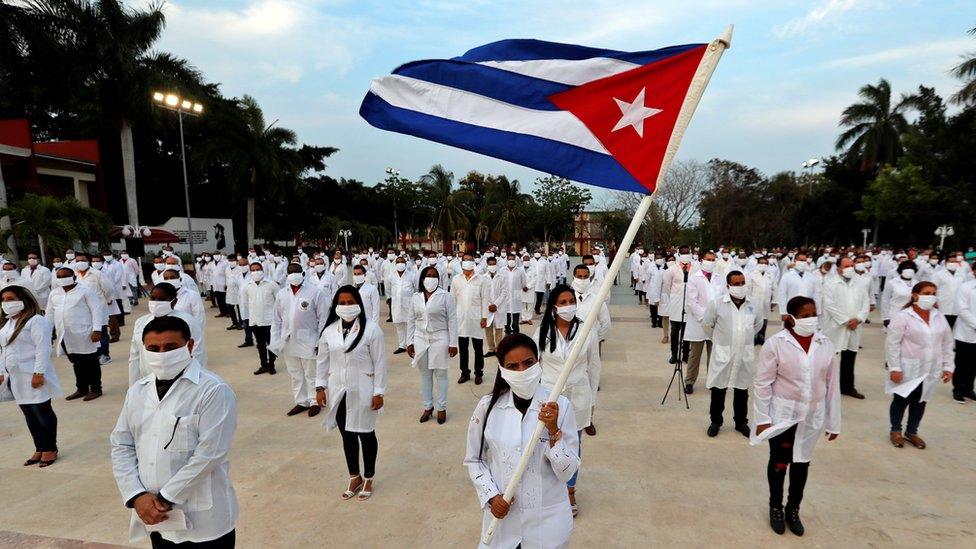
(184, 432)
(910, 367)
(721, 354)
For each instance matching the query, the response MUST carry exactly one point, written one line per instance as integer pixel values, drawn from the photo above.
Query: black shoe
(296, 410)
(489, 354)
(793, 520)
(971, 395)
(958, 398)
(744, 429)
(464, 378)
(245, 344)
(231, 327)
(389, 320)
(261, 370)
(399, 351)
(271, 370)
(776, 520)
(689, 388)
(672, 360)
(854, 394)
(478, 378)
(713, 430)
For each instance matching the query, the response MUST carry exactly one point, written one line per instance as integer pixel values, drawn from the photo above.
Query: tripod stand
(679, 363)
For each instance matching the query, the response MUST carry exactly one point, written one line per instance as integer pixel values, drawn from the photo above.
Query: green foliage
(60, 222)
(557, 202)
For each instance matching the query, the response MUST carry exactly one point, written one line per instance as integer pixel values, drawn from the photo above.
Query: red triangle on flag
(633, 113)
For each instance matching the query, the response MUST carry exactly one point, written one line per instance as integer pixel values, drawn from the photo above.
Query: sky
(774, 101)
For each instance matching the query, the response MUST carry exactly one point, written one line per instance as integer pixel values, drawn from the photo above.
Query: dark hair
(82, 253)
(547, 330)
(31, 309)
(507, 344)
(797, 303)
(907, 264)
(360, 267)
(297, 269)
(581, 266)
(587, 256)
(728, 277)
(423, 275)
(918, 288)
(167, 323)
(69, 269)
(333, 317)
(168, 289)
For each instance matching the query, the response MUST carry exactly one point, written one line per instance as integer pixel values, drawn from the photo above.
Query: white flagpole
(698, 83)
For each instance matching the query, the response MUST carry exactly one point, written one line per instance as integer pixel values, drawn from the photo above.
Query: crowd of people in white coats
(322, 314)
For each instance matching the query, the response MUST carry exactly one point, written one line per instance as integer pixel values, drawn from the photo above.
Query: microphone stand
(679, 364)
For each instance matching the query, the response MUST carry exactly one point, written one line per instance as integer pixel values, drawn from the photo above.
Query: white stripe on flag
(470, 108)
(565, 71)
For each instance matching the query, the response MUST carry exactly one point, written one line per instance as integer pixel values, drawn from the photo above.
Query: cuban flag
(596, 116)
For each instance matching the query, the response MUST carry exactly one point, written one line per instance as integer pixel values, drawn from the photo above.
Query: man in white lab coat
(171, 444)
(162, 300)
(39, 278)
(703, 288)
(367, 291)
(761, 285)
(187, 301)
(259, 295)
(471, 291)
(796, 281)
(517, 283)
(845, 308)
(300, 312)
(77, 314)
(401, 285)
(497, 304)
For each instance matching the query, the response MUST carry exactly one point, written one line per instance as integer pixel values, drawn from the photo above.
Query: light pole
(865, 233)
(174, 103)
(942, 232)
(395, 175)
(808, 166)
(345, 234)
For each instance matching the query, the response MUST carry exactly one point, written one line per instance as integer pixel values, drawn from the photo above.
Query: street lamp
(808, 166)
(942, 232)
(865, 233)
(395, 174)
(345, 234)
(180, 106)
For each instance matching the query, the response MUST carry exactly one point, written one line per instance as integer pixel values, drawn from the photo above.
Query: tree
(451, 211)
(557, 203)
(903, 200)
(966, 71)
(675, 204)
(507, 205)
(53, 223)
(875, 127)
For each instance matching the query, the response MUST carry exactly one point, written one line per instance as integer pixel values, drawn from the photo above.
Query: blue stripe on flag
(505, 86)
(549, 156)
(530, 50)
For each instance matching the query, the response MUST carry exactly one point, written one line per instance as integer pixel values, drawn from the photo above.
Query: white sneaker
(103, 359)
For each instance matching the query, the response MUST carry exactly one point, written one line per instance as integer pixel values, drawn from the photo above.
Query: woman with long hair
(26, 369)
(797, 399)
(432, 336)
(918, 351)
(556, 335)
(351, 380)
(502, 426)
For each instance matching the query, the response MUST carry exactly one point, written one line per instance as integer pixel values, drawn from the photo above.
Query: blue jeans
(915, 411)
(572, 481)
(427, 386)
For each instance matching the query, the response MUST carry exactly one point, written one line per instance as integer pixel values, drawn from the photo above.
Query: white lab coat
(497, 296)
(260, 300)
(401, 287)
(432, 327)
(701, 292)
(371, 301)
(178, 447)
(29, 354)
(515, 280)
(189, 301)
(136, 348)
(844, 300)
(233, 284)
(540, 516)
(674, 294)
(359, 375)
(965, 328)
(297, 321)
(218, 276)
(76, 314)
(40, 282)
(584, 379)
(584, 302)
(794, 387)
(472, 298)
(101, 287)
(920, 350)
(947, 285)
(761, 289)
(791, 285)
(897, 293)
(732, 331)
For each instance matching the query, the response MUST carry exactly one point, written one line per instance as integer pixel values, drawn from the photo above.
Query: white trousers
(302, 371)
(401, 332)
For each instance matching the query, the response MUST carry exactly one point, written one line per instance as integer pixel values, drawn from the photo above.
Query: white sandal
(349, 494)
(366, 494)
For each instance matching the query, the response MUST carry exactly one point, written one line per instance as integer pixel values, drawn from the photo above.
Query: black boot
(793, 520)
(776, 519)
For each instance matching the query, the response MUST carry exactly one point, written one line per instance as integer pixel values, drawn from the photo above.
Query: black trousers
(781, 459)
(962, 379)
(676, 333)
(477, 344)
(951, 319)
(225, 541)
(512, 323)
(847, 371)
(761, 334)
(234, 317)
(121, 316)
(88, 372)
(262, 336)
(221, 298)
(43, 425)
(740, 406)
(656, 320)
(538, 302)
(916, 409)
(248, 335)
(351, 442)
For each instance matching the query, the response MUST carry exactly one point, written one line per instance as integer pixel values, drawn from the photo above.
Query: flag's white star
(634, 114)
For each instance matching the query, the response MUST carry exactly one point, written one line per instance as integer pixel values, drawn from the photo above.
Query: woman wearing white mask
(351, 381)
(26, 370)
(401, 285)
(797, 399)
(897, 291)
(556, 334)
(162, 300)
(919, 351)
(432, 333)
(500, 428)
(947, 280)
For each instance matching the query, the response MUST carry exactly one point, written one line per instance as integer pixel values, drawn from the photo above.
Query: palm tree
(53, 223)
(451, 210)
(875, 127)
(508, 203)
(966, 71)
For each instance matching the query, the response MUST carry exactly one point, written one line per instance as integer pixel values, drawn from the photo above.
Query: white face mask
(257, 276)
(847, 272)
(64, 281)
(159, 267)
(566, 312)
(176, 282)
(81, 265)
(430, 284)
(707, 265)
(524, 383)
(296, 279)
(492, 269)
(319, 268)
(510, 263)
(951, 267)
(400, 267)
(160, 308)
(467, 265)
(358, 279)
(738, 292)
(97, 265)
(659, 262)
(58, 264)
(125, 256)
(337, 260)
(805, 327)
(11, 308)
(69, 256)
(107, 258)
(925, 302)
(908, 274)
(9, 275)
(348, 312)
(32, 262)
(167, 364)
(390, 257)
(860, 267)
(171, 267)
(581, 285)
(762, 267)
(685, 258)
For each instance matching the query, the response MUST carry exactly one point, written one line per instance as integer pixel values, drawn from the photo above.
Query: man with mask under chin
(171, 444)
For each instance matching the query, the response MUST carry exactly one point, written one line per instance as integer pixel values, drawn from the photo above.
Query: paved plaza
(650, 478)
